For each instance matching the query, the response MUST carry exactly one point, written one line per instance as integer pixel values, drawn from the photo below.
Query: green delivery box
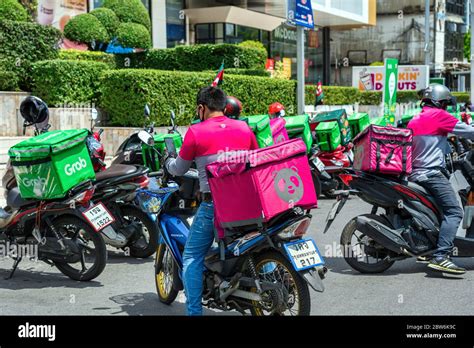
(358, 122)
(379, 121)
(260, 125)
(340, 117)
(150, 158)
(49, 165)
(328, 135)
(298, 127)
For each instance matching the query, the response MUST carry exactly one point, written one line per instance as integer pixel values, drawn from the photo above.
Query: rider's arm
(464, 130)
(180, 165)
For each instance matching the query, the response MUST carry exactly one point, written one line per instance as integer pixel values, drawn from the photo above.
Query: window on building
(456, 7)
(175, 23)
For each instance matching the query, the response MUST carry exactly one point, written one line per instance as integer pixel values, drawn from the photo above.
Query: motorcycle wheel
(93, 249)
(282, 272)
(347, 245)
(317, 183)
(164, 275)
(149, 237)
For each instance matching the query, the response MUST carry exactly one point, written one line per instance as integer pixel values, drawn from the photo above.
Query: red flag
(220, 76)
(319, 94)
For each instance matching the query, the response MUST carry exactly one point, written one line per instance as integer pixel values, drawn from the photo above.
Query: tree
(130, 11)
(87, 29)
(108, 18)
(133, 35)
(12, 10)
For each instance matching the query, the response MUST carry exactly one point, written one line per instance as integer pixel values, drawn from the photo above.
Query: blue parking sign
(300, 12)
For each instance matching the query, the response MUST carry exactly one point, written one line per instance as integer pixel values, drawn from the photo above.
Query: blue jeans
(201, 236)
(440, 187)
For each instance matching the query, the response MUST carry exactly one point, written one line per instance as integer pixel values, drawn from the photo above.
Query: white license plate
(319, 164)
(304, 254)
(98, 216)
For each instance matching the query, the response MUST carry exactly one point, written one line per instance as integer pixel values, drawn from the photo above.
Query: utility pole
(300, 69)
(427, 33)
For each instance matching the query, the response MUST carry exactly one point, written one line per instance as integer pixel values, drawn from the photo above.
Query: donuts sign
(372, 78)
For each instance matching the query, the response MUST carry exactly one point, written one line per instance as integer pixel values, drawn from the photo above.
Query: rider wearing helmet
(233, 108)
(276, 110)
(205, 142)
(430, 145)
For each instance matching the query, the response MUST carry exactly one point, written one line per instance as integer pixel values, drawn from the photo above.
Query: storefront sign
(372, 78)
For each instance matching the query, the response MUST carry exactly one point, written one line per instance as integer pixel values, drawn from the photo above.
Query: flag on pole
(319, 94)
(220, 76)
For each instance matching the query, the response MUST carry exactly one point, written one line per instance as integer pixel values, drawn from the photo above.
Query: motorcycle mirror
(94, 114)
(146, 138)
(173, 118)
(147, 111)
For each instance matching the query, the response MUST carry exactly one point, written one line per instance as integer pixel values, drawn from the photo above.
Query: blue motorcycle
(264, 270)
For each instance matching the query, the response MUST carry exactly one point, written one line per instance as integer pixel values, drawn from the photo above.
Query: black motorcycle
(404, 221)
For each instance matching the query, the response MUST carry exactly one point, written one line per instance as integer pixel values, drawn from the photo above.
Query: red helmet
(233, 107)
(276, 110)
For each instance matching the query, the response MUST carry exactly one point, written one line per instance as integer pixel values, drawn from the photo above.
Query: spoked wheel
(361, 252)
(164, 274)
(273, 267)
(147, 242)
(92, 256)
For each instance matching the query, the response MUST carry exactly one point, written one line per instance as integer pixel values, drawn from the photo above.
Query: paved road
(127, 287)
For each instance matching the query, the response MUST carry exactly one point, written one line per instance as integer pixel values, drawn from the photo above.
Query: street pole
(472, 53)
(427, 33)
(300, 69)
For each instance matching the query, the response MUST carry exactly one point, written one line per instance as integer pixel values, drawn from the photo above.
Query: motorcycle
(133, 231)
(60, 231)
(251, 270)
(408, 227)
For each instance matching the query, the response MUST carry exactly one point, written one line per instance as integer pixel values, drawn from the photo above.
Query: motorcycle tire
(346, 238)
(317, 183)
(140, 217)
(165, 268)
(300, 285)
(89, 234)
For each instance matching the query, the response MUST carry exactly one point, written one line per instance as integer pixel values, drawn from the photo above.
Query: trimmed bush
(125, 92)
(24, 43)
(60, 82)
(86, 28)
(370, 98)
(462, 97)
(8, 81)
(31, 7)
(130, 11)
(93, 56)
(248, 72)
(333, 95)
(108, 19)
(133, 35)
(13, 11)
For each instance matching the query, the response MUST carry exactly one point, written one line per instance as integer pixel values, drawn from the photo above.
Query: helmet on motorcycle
(34, 110)
(233, 107)
(438, 96)
(276, 110)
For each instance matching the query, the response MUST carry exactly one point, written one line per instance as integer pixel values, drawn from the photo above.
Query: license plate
(319, 164)
(304, 254)
(98, 216)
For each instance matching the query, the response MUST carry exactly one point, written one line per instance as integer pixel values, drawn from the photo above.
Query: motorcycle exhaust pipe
(383, 235)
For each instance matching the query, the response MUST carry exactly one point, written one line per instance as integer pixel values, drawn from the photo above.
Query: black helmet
(438, 96)
(233, 107)
(34, 110)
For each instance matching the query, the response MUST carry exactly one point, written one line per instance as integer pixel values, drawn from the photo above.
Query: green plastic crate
(260, 125)
(150, 158)
(298, 127)
(358, 122)
(49, 165)
(340, 117)
(328, 135)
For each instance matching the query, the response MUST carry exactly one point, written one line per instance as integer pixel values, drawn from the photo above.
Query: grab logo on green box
(73, 168)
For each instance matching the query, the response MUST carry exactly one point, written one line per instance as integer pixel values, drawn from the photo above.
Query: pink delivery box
(258, 185)
(279, 133)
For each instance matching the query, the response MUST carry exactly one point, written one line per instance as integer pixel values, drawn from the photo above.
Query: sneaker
(444, 264)
(423, 259)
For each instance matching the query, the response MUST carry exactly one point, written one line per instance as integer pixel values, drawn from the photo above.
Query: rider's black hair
(212, 97)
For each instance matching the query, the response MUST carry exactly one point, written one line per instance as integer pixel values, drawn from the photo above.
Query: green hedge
(462, 97)
(12, 10)
(333, 95)
(86, 28)
(133, 35)
(60, 82)
(8, 81)
(130, 11)
(125, 92)
(94, 56)
(24, 43)
(108, 19)
(198, 58)
(248, 72)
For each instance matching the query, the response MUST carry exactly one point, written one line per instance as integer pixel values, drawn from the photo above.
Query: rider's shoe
(444, 264)
(423, 259)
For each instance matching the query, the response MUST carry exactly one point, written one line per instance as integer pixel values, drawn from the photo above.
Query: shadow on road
(119, 257)
(30, 278)
(148, 304)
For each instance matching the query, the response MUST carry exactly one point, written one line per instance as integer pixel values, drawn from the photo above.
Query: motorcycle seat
(114, 171)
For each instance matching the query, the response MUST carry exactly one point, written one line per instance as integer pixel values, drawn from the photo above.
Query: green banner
(390, 90)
